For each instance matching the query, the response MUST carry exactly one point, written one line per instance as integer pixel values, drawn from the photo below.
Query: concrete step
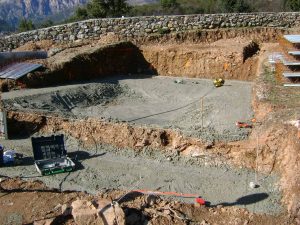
(294, 53)
(288, 74)
(291, 85)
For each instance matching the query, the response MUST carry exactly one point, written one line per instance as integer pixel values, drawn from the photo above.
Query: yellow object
(219, 82)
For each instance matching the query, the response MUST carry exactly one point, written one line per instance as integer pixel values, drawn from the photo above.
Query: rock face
(99, 212)
(133, 27)
(12, 10)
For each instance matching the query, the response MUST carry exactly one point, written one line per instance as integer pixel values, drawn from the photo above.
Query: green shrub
(164, 30)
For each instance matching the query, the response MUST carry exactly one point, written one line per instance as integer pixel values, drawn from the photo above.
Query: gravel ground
(156, 101)
(165, 102)
(109, 168)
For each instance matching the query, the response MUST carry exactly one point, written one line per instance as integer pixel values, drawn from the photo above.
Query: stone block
(98, 212)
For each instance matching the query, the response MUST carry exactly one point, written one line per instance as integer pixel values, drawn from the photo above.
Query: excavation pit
(192, 106)
(166, 133)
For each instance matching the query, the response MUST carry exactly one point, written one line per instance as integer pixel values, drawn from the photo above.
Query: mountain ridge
(12, 11)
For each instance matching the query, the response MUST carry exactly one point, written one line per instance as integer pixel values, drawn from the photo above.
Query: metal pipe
(6, 57)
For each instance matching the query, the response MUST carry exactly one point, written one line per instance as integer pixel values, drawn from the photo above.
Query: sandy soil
(156, 101)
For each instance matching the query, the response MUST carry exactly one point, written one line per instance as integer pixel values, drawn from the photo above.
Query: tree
(294, 5)
(169, 3)
(231, 6)
(97, 9)
(107, 8)
(81, 13)
(26, 25)
(117, 8)
(46, 23)
(242, 7)
(213, 6)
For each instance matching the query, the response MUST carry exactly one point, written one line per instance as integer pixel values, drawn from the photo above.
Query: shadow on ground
(245, 200)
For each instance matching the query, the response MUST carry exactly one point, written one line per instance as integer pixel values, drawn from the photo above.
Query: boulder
(108, 214)
(66, 209)
(84, 212)
(193, 151)
(98, 212)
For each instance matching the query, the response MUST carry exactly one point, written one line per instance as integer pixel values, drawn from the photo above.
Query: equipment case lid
(51, 147)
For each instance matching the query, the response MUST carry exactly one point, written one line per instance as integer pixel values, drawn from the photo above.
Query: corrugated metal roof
(291, 74)
(17, 70)
(293, 38)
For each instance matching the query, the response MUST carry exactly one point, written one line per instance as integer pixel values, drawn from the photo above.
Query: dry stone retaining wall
(140, 26)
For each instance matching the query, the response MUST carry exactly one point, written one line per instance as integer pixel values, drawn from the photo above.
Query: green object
(219, 82)
(48, 172)
(50, 155)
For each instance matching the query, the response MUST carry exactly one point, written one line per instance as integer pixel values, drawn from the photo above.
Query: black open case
(50, 155)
